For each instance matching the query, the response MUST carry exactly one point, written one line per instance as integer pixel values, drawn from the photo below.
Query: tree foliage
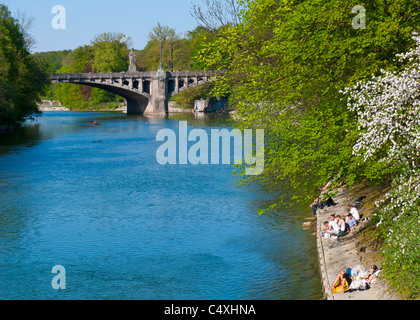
(177, 51)
(22, 78)
(387, 111)
(284, 66)
(107, 52)
(110, 53)
(162, 33)
(213, 14)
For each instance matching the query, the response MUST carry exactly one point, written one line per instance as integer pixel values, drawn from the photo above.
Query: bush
(398, 220)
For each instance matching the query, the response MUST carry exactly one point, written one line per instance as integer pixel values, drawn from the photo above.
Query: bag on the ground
(355, 284)
(363, 285)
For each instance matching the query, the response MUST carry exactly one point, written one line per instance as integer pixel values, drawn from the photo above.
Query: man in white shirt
(333, 227)
(341, 223)
(355, 213)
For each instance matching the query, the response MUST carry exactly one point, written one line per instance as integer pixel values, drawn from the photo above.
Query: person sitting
(370, 275)
(342, 224)
(331, 227)
(351, 222)
(315, 205)
(342, 282)
(328, 201)
(354, 212)
(316, 200)
(325, 188)
(321, 204)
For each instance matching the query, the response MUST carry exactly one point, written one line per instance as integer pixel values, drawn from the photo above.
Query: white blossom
(387, 109)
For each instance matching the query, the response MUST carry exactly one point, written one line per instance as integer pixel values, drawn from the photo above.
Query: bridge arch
(136, 102)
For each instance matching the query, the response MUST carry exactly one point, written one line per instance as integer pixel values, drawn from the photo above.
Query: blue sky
(87, 18)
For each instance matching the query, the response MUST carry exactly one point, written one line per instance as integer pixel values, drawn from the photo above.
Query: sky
(86, 18)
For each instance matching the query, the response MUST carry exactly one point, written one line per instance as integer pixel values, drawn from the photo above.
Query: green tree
(110, 53)
(177, 51)
(22, 78)
(284, 66)
(166, 37)
(197, 38)
(161, 33)
(53, 60)
(70, 95)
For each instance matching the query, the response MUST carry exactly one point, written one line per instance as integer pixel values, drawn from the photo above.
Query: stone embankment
(342, 253)
(48, 105)
(180, 110)
(48, 108)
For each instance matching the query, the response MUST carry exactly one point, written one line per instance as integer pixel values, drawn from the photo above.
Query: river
(84, 191)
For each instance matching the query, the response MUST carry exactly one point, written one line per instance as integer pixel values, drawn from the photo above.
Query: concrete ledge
(327, 294)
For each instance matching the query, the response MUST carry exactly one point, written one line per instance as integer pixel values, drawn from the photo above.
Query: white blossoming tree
(388, 112)
(387, 107)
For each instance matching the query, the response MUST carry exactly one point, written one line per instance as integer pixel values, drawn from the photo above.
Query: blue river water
(85, 191)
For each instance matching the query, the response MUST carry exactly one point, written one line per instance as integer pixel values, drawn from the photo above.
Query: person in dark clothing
(314, 205)
(321, 204)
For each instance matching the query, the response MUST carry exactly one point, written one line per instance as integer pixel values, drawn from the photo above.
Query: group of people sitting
(338, 226)
(348, 280)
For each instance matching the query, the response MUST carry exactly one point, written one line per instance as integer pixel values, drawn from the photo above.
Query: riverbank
(52, 109)
(56, 106)
(355, 248)
(122, 109)
(50, 106)
(45, 108)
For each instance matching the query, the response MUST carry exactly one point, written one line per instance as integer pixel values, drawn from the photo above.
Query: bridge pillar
(176, 84)
(141, 84)
(136, 106)
(159, 103)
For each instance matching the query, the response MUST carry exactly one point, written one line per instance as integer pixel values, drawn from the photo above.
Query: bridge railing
(138, 74)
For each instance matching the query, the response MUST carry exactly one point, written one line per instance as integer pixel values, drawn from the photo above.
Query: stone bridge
(145, 92)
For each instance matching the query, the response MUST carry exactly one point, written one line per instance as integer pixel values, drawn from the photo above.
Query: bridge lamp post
(160, 64)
